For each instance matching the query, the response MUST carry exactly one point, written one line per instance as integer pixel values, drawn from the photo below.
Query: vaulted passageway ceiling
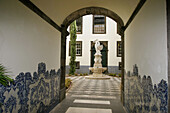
(58, 10)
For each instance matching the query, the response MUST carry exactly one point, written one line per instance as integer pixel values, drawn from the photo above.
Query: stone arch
(64, 33)
(94, 10)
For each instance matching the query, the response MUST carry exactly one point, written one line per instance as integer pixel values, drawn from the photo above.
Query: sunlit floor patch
(94, 96)
(87, 110)
(91, 101)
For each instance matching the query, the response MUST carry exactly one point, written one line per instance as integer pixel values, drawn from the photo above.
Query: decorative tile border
(37, 93)
(141, 96)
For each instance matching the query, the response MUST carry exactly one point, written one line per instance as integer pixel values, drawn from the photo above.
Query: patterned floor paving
(92, 96)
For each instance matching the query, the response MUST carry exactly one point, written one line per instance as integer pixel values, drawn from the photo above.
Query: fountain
(97, 69)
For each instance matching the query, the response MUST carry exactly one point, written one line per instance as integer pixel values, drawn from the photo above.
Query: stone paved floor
(92, 96)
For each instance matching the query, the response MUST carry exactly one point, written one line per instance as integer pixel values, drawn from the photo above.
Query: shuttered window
(99, 24)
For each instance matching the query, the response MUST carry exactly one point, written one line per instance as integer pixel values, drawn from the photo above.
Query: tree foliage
(73, 37)
(4, 78)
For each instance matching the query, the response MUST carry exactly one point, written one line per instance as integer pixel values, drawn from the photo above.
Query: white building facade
(90, 30)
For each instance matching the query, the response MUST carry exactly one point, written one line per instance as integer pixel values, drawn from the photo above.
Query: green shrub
(69, 74)
(73, 37)
(76, 74)
(67, 83)
(85, 74)
(112, 74)
(81, 74)
(119, 74)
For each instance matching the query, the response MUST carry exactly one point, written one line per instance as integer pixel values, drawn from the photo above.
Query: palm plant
(4, 78)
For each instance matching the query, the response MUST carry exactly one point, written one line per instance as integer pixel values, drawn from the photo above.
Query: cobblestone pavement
(92, 96)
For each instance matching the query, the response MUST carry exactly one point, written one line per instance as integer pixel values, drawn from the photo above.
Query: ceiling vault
(135, 12)
(36, 10)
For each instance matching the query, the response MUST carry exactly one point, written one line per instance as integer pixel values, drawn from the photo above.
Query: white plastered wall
(87, 36)
(146, 41)
(26, 39)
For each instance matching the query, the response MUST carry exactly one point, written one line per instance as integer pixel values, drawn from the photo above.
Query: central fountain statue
(97, 69)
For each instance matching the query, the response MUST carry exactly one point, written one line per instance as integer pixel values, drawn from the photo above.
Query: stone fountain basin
(98, 69)
(97, 73)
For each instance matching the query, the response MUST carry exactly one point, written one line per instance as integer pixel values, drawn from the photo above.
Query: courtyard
(34, 51)
(92, 96)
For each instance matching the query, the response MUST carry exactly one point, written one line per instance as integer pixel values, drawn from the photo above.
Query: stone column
(64, 34)
(168, 44)
(122, 68)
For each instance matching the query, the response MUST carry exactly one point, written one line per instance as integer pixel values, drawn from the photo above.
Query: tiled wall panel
(28, 94)
(142, 96)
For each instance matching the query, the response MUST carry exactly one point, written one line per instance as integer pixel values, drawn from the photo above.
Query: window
(78, 48)
(99, 24)
(77, 65)
(79, 25)
(119, 49)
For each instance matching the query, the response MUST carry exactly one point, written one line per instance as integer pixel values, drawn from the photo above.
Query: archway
(75, 15)
(94, 10)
